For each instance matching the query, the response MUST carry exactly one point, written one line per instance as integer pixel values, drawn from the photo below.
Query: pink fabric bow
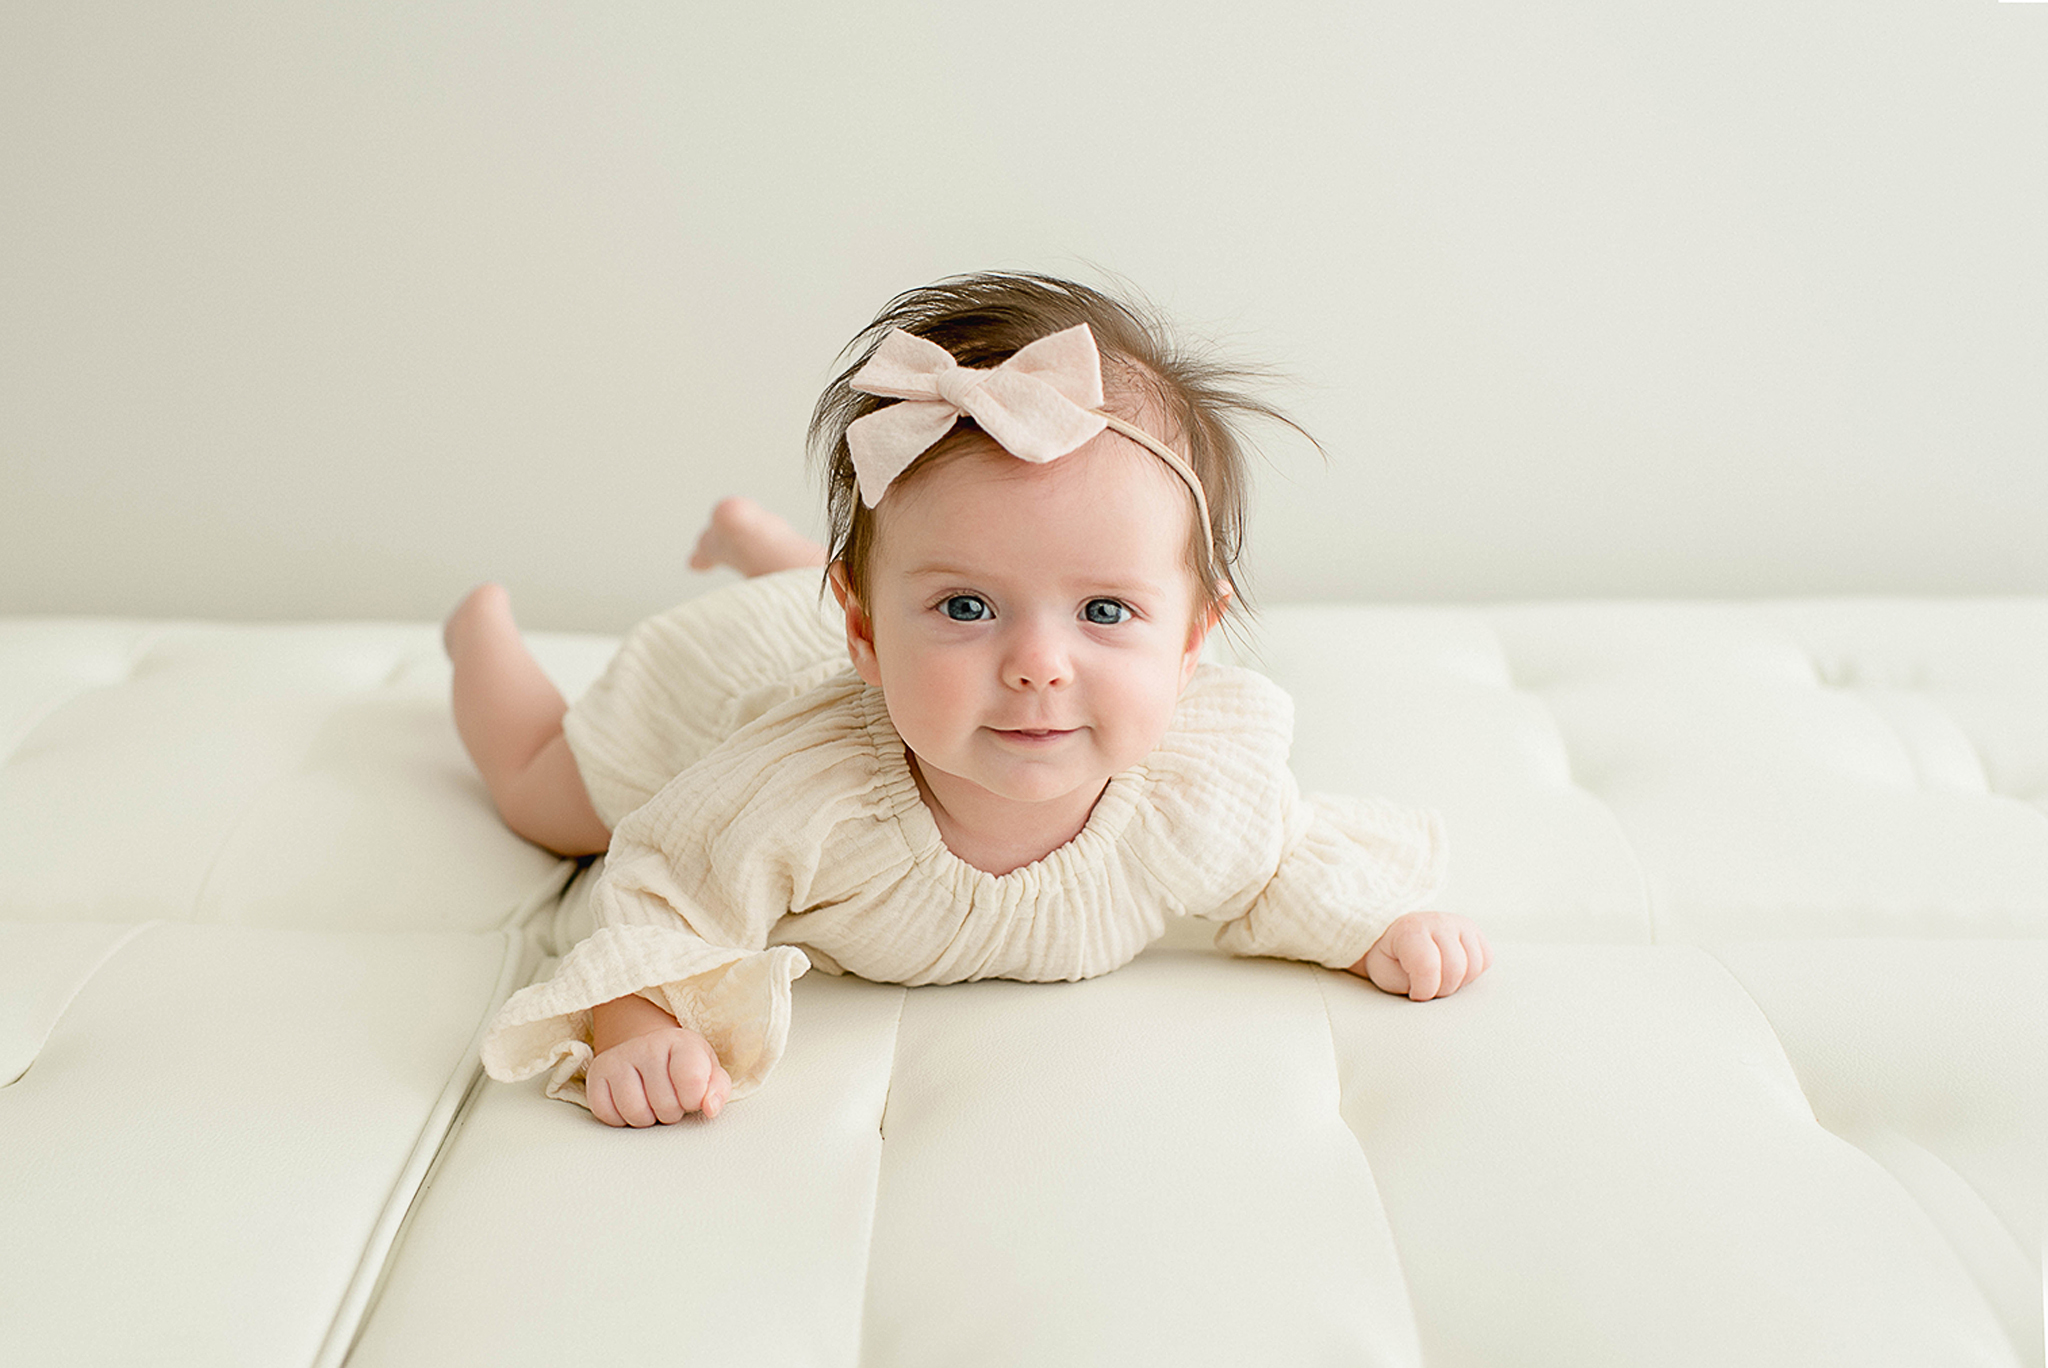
(1037, 405)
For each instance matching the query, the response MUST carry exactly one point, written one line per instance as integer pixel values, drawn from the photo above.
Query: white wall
(333, 310)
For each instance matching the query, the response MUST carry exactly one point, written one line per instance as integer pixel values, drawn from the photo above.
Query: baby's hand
(661, 1076)
(1426, 955)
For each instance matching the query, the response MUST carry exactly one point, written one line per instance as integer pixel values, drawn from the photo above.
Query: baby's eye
(1105, 612)
(966, 608)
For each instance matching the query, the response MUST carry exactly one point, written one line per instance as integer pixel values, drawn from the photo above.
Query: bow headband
(1040, 405)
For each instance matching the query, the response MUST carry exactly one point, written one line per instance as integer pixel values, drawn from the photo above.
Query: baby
(1035, 508)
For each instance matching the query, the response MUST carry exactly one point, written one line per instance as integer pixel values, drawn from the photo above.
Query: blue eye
(966, 608)
(1105, 612)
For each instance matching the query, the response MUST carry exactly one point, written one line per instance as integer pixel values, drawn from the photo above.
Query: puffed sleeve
(1348, 867)
(693, 888)
(732, 990)
(1313, 878)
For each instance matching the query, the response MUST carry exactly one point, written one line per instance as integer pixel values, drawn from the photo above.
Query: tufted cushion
(270, 776)
(1758, 1076)
(1698, 772)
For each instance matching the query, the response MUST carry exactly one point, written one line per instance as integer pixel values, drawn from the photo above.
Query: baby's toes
(481, 608)
(709, 552)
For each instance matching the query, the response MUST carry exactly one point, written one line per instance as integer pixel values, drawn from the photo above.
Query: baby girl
(1035, 504)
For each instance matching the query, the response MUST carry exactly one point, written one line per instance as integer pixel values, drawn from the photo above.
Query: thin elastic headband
(1041, 404)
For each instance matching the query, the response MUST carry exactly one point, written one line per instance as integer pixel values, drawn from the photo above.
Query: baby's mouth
(1034, 735)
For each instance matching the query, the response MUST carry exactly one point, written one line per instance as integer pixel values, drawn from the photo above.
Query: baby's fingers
(700, 1081)
(629, 1098)
(1424, 961)
(598, 1093)
(1460, 966)
(615, 1098)
(1478, 954)
(719, 1090)
(662, 1101)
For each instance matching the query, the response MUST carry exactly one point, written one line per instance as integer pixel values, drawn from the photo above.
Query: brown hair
(1148, 378)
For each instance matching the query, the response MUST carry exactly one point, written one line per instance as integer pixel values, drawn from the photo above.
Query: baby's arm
(648, 1069)
(1426, 955)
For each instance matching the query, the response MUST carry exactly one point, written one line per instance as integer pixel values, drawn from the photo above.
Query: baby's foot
(483, 617)
(751, 540)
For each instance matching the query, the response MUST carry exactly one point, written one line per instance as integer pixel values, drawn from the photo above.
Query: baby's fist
(661, 1076)
(1426, 955)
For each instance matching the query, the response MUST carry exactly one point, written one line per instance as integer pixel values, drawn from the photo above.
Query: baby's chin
(1050, 784)
(1027, 784)
(1054, 771)
(1034, 785)
(1089, 788)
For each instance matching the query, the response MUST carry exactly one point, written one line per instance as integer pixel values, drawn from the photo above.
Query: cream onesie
(764, 818)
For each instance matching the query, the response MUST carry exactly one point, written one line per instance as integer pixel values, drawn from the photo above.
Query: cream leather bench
(1760, 1075)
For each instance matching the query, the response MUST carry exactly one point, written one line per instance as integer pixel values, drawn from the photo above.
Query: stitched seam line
(1620, 828)
(92, 972)
(867, 1265)
(430, 1149)
(1713, 954)
(1322, 985)
(63, 697)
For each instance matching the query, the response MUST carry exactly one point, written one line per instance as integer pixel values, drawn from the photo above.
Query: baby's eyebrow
(1133, 590)
(940, 570)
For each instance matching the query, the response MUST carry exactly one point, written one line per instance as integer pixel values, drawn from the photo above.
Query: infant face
(1033, 625)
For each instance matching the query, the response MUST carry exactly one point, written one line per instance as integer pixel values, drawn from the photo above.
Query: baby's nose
(1037, 660)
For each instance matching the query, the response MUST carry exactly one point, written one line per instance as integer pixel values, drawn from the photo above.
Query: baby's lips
(1022, 737)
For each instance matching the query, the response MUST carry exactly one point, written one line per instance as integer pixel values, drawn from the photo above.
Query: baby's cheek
(1144, 706)
(929, 700)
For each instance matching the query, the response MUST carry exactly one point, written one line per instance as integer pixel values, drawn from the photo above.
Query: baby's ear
(1205, 622)
(860, 632)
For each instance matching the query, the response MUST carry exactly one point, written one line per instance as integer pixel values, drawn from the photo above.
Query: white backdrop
(332, 310)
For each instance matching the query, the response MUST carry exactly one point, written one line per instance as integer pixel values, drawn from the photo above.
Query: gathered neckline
(927, 848)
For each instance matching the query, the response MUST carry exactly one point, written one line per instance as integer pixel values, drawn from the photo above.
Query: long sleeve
(1313, 878)
(805, 831)
(733, 991)
(696, 884)
(1349, 867)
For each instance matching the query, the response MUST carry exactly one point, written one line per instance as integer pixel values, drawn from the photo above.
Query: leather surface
(201, 1154)
(1698, 772)
(1757, 1076)
(274, 776)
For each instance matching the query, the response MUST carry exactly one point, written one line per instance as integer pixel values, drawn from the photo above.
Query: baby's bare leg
(509, 715)
(753, 541)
